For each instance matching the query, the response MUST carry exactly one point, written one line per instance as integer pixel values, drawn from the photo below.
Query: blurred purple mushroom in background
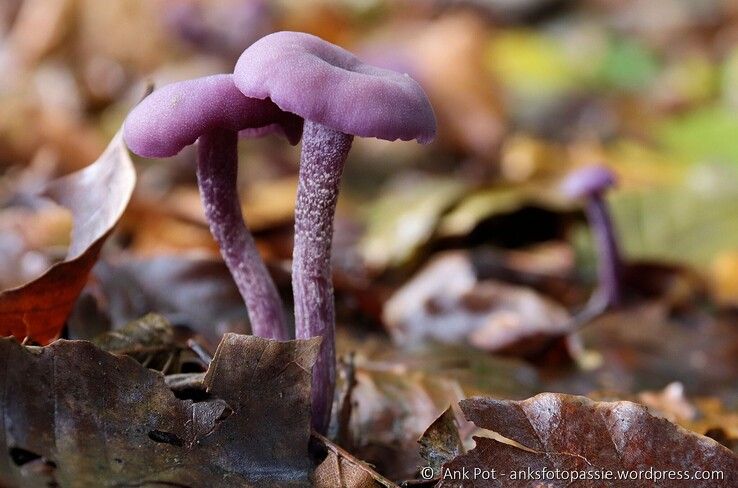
(591, 183)
(339, 97)
(212, 111)
(225, 27)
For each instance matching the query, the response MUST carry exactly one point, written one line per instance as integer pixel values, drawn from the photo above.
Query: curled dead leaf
(708, 415)
(97, 196)
(577, 435)
(77, 411)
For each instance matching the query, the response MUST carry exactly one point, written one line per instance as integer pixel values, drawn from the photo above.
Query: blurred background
(467, 241)
(523, 90)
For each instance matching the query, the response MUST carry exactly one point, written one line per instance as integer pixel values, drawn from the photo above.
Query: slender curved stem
(217, 171)
(324, 152)
(609, 264)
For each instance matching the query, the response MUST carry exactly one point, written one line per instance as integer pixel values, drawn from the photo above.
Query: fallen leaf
(149, 332)
(30, 241)
(399, 393)
(479, 206)
(579, 436)
(125, 31)
(97, 197)
(627, 64)
(531, 64)
(674, 286)
(150, 340)
(690, 220)
(549, 268)
(340, 468)
(405, 217)
(79, 410)
(189, 290)
(155, 233)
(47, 118)
(670, 403)
(715, 420)
(637, 348)
(686, 82)
(391, 411)
(446, 302)
(702, 414)
(441, 442)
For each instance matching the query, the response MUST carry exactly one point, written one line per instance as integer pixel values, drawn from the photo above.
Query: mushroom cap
(175, 115)
(324, 83)
(588, 181)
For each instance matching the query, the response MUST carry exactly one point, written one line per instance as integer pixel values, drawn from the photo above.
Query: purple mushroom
(339, 97)
(591, 183)
(212, 111)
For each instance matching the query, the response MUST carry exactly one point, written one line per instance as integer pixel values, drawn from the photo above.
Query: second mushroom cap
(324, 83)
(175, 115)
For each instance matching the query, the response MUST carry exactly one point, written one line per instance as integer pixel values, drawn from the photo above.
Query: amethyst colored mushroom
(339, 97)
(590, 183)
(212, 111)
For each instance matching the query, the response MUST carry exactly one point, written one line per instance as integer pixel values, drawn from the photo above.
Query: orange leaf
(97, 196)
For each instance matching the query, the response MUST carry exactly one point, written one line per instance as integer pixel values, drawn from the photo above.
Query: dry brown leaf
(643, 348)
(715, 420)
(705, 415)
(150, 340)
(150, 332)
(97, 197)
(73, 415)
(399, 393)
(341, 469)
(441, 442)
(670, 403)
(193, 291)
(577, 435)
(445, 302)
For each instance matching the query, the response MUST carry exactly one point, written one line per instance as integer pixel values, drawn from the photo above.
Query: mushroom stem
(609, 264)
(217, 171)
(324, 153)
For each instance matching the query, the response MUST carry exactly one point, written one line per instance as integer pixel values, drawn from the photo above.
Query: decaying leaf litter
(462, 273)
